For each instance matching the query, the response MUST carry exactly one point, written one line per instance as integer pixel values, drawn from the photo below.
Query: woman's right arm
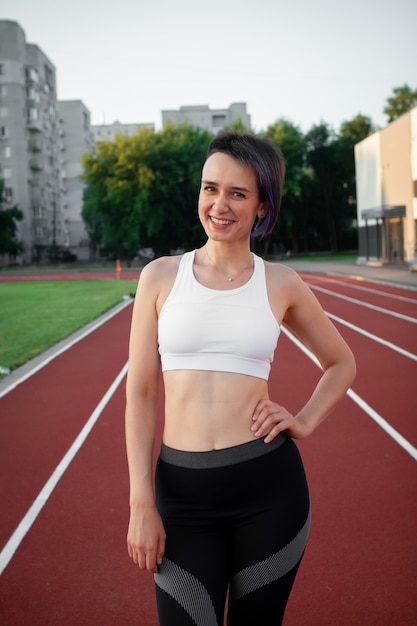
(146, 535)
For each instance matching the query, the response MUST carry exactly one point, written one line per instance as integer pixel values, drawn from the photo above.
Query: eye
(209, 188)
(238, 194)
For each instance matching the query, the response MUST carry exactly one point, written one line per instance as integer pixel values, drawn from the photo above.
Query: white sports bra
(208, 329)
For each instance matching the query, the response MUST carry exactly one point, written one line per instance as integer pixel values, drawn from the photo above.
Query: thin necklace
(229, 278)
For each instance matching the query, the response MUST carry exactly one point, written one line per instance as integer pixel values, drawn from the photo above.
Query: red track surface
(72, 566)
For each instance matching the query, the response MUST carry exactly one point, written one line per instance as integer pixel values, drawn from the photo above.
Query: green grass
(36, 315)
(323, 256)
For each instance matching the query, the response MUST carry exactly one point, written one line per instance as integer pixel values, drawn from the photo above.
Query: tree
(9, 244)
(324, 198)
(144, 189)
(237, 126)
(402, 101)
(350, 133)
(292, 224)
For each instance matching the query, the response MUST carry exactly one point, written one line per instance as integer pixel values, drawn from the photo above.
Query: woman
(231, 510)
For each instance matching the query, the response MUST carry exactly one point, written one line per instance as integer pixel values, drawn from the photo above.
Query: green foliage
(237, 126)
(403, 100)
(142, 190)
(9, 244)
(293, 212)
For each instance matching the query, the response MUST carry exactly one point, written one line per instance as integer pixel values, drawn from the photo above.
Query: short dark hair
(267, 161)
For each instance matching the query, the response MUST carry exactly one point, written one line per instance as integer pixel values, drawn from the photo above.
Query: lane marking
(27, 521)
(406, 318)
(384, 342)
(369, 290)
(394, 434)
(67, 343)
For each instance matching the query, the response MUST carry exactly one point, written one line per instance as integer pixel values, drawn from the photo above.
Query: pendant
(230, 280)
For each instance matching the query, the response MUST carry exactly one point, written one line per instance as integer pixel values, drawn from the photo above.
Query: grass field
(36, 315)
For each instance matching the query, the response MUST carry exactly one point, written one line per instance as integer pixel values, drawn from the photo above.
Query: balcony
(35, 144)
(35, 164)
(34, 125)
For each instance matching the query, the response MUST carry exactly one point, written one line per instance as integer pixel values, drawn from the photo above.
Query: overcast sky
(302, 60)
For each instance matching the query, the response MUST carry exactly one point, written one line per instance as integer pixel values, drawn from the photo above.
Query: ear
(262, 211)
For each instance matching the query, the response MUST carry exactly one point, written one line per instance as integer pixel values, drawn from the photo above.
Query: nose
(220, 203)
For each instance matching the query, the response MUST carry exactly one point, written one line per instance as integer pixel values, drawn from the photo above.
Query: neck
(231, 268)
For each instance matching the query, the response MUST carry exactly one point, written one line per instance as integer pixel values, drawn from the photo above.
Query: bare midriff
(210, 410)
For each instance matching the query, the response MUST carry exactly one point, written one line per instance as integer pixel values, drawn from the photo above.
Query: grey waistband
(220, 458)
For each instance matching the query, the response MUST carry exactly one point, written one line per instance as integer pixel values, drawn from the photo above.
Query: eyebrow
(236, 187)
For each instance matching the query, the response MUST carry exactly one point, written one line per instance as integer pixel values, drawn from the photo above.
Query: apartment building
(205, 118)
(29, 140)
(75, 139)
(386, 185)
(41, 143)
(108, 132)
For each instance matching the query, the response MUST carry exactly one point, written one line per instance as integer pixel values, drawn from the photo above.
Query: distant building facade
(41, 143)
(76, 138)
(386, 186)
(29, 140)
(205, 118)
(108, 132)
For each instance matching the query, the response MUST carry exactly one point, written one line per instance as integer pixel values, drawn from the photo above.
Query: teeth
(221, 222)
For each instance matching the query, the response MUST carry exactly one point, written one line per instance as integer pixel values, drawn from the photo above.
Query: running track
(64, 489)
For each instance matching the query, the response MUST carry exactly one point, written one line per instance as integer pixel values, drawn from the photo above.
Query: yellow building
(386, 187)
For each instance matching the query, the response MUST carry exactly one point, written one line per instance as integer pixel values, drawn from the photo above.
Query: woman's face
(229, 198)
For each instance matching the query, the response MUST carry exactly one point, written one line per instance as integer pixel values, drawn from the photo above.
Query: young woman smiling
(228, 511)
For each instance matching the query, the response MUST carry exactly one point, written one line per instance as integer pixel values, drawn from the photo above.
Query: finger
(151, 565)
(161, 552)
(265, 421)
(278, 428)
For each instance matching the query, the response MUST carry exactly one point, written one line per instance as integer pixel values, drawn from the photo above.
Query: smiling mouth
(220, 222)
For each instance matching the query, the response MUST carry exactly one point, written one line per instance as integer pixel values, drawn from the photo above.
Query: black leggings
(237, 522)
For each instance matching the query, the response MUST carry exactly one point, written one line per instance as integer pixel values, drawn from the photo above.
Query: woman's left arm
(306, 318)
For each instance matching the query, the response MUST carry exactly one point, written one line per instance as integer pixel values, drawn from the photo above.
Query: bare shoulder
(157, 278)
(281, 278)
(160, 269)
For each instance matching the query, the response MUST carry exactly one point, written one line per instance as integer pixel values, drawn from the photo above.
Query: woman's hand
(269, 419)
(146, 539)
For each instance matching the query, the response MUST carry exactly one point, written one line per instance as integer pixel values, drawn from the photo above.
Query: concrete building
(205, 118)
(108, 132)
(41, 144)
(76, 138)
(29, 140)
(386, 186)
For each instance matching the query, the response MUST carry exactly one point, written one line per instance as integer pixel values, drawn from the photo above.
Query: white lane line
(384, 342)
(370, 290)
(394, 434)
(25, 524)
(49, 355)
(406, 318)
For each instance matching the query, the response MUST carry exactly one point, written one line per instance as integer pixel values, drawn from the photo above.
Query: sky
(300, 60)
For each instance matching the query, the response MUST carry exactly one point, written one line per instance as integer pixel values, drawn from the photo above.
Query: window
(1, 69)
(218, 121)
(32, 74)
(8, 194)
(3, 90)
(7, 152)
(3, 112)
(32, 115)
(4, 133)
(7, 173)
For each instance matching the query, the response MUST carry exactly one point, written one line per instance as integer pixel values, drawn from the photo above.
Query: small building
(386, 187)
(213, 120)
(108, 132)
